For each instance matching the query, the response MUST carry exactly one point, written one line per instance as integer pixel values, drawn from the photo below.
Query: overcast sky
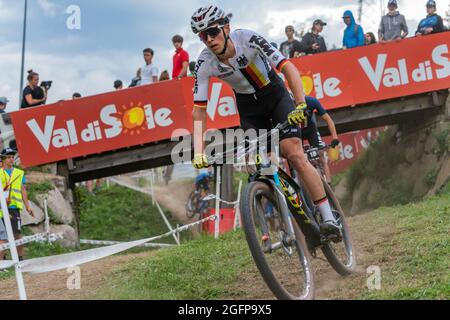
(113, 33)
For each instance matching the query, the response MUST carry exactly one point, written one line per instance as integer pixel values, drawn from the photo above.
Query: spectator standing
(313, 42)
(393, 25)
(33, 95)
(180, 58)
(287, 47)
(149, 72)
(432, 23)
(13, 183)
(3, 102)
(353, 34)
(118, 85)
(370, 38)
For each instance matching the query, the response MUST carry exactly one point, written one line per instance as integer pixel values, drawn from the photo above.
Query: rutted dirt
(329, 285)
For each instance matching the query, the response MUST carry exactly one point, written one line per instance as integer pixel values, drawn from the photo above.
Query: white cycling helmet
(206, 16)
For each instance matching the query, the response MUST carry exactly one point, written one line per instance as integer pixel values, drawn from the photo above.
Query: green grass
(120, 214)
(116, 213)
(34, 189)
(202, 269)
(413, 256)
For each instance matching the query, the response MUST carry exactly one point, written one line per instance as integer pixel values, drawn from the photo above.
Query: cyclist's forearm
(331, 126)
(199, 117)
(295, 82)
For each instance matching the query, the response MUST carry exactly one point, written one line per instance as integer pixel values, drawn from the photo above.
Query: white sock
(325, 210)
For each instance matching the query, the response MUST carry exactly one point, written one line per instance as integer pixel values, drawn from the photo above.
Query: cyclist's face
(214, 38)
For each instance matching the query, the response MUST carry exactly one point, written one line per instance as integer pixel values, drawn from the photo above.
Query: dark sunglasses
(212, 32)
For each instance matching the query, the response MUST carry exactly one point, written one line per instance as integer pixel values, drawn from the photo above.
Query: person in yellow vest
(13, 182)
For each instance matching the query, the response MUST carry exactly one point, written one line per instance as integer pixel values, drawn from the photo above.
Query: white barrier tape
(213, 197)
(55, 263)
(41, 237)
(109, 243)
(24, 240)
(5, 264)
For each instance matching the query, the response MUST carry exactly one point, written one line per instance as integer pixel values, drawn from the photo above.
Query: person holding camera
(34, 95)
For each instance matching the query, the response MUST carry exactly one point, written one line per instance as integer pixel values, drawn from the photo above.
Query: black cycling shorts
(268, 108)
(313, 136)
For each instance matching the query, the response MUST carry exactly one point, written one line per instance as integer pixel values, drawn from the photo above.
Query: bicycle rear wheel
(191, 205)
(284, 265)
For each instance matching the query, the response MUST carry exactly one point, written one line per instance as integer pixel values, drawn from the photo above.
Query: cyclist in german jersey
(246, 61)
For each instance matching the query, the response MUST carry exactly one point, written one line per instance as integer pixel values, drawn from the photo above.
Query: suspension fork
(285, 212)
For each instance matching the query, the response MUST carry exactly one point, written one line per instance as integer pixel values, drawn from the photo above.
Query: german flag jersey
(250, 68)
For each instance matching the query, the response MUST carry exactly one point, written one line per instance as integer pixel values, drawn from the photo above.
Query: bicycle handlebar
(249, 145)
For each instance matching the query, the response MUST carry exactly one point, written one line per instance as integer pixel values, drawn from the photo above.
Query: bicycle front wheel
(283, 263)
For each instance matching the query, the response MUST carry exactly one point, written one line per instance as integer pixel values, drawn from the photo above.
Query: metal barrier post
(13, 248)
(217, 222)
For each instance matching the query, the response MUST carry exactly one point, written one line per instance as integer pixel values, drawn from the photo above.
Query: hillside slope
(409, 243)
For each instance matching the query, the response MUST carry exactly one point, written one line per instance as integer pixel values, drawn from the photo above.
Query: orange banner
(100, 123)
(152, 113)
(377, 72)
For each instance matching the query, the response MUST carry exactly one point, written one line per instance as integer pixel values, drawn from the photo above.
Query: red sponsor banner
(221, 110)
(353, 145)
(377, 72)
(152, 113)
(99, 123)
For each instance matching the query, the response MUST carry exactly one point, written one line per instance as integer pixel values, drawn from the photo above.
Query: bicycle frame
(289, 206)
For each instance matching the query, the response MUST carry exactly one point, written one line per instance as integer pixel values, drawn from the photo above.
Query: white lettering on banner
(72, 132)
(423, 72)
(391, 77)
(109, 117)
(106, 115)
(61, 138)
(330, 87)
(398, 76)
(439, 58)
(225, 106)
(45, 136)
(161, 117)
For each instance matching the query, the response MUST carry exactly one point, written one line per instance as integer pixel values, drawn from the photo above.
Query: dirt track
(329, 285)
(53, 285)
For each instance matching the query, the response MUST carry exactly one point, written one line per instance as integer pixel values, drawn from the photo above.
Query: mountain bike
(196, 205)
(282, 239)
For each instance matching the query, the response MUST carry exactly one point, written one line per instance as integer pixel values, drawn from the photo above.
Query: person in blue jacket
(433, 22)
(353, 34)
